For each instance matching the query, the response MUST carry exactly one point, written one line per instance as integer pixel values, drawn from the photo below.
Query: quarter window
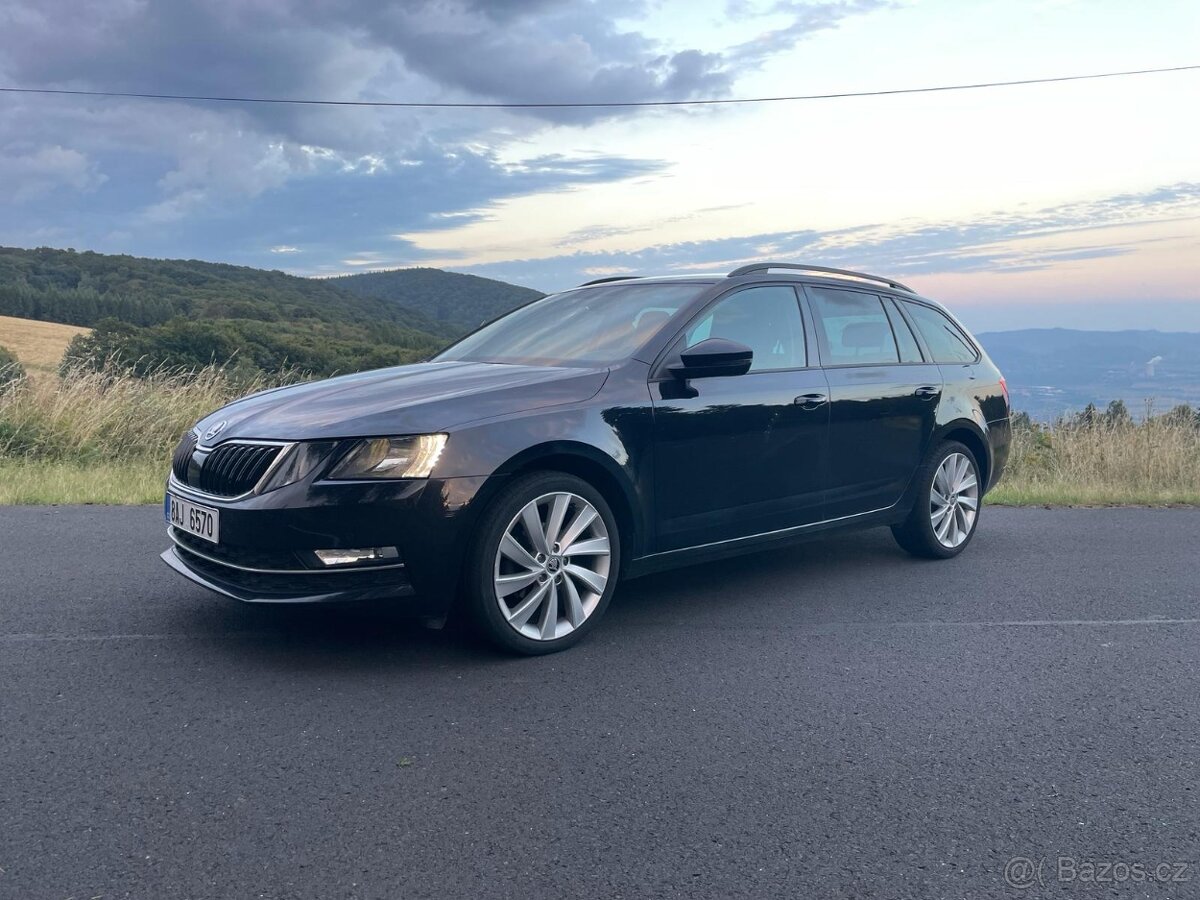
(945, 340)
(909, 351)
(766, 319)
(855, 328)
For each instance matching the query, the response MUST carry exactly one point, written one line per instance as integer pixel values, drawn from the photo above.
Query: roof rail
(610, 278)
(763, 267)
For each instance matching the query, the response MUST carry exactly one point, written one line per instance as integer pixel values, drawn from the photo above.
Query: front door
(746, 454)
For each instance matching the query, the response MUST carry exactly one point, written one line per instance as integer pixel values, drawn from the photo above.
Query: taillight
(1004, 387)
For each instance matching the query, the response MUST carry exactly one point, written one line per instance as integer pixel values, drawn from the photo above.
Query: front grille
(234, 468)
(183, 457)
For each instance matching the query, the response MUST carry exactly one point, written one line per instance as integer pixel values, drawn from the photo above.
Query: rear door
(883, 398)
(745, 454)
(960, 361)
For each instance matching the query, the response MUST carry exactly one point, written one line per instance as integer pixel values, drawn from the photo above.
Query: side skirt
(671, 559)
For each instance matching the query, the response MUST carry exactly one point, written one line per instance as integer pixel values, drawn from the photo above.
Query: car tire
(945, 515)
(536, 593)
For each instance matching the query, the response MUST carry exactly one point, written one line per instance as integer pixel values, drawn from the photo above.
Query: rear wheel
(544, 563)
(944, 517)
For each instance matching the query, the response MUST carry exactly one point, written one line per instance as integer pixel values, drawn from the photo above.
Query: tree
(1088, 417)
(1117, 415)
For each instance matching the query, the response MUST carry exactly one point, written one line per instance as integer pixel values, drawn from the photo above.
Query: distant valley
(1051, 371)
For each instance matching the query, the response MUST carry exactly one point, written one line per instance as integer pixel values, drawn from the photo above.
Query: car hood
(416, 399)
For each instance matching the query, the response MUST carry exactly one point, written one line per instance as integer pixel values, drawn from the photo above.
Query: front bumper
(264, 553)
(269, 587)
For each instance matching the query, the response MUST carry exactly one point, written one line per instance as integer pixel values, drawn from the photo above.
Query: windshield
(593, 326)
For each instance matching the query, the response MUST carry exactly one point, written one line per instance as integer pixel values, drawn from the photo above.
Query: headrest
(859, 335)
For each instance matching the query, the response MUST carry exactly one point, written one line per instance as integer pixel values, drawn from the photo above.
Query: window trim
(658, 371)
(889, 303)
(920, 335)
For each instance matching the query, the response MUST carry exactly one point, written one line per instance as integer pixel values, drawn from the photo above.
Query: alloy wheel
(552, 566)
(954, 500)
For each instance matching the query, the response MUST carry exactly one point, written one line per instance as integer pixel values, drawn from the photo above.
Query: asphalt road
(831, 720)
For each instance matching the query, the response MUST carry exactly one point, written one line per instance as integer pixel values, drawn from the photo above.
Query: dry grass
(92, 416)
(1153, 463)
(38, 345)
(101, 437)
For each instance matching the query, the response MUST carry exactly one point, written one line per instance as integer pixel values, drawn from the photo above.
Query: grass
(41, 483)
(101, 437)
(106, 437)
(38, 345)
(1151, 463)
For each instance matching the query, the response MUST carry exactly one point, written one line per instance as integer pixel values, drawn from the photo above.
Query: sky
(1069, 205)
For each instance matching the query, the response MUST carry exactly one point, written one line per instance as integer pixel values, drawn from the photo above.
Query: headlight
(397, 457)
(299, 463)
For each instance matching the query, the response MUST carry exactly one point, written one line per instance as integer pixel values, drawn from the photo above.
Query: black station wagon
(621, 427)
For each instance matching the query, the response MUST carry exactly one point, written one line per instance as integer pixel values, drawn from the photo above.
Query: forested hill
(190, 313)
(82, 288)
(459, 301)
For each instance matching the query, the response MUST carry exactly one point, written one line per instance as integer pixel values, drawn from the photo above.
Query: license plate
(202, 521)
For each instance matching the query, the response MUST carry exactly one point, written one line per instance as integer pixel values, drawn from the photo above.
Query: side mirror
(713, 358)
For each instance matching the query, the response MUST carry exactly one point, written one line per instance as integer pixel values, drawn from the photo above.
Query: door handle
(927, 392)
(811, 401)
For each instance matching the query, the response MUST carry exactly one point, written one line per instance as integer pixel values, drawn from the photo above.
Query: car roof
(775, 271)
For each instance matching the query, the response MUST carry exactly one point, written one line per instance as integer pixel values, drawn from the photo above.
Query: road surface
(830, 720)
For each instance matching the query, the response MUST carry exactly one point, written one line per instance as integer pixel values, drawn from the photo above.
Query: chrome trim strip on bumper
(179, 545)
(174, 559)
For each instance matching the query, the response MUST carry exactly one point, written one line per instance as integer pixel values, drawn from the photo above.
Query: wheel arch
(970, 435)
(598, 469)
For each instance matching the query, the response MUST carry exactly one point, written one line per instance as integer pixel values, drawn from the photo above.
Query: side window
(766, 319)
(909, 351)
(945, 340)
(854, 326)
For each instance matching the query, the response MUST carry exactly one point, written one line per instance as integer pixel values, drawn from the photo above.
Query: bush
(11, 370)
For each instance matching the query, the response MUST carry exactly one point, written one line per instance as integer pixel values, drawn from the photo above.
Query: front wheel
(544, 563)
(946, 512)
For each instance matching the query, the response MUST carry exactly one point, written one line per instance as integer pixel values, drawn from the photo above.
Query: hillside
(459, 301)
(38, 346)
(79, 288)
(1053, 370)
(189, 313)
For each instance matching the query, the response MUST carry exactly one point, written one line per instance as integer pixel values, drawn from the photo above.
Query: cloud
(28, 172)
(329, 215)
(805, 19)
(180, 178)
(1000, 243)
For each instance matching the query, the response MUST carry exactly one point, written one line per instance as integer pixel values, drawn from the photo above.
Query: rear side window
(854, 328)
(944, 339)
(909, 351)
